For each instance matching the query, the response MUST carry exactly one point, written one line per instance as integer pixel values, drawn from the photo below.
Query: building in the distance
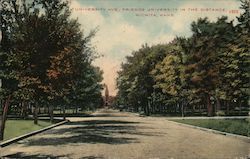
(107, 99)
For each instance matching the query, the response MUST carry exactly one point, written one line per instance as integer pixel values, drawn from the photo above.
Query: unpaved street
(111, 134)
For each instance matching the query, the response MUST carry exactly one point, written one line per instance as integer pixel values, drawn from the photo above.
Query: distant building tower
(106, 99)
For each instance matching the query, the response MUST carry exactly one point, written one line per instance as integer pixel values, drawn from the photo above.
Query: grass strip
(234, 126)
(16, 128)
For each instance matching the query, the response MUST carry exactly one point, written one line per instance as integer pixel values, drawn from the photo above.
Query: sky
(125, 25)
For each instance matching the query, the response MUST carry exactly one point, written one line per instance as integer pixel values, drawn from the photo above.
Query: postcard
(124, 79)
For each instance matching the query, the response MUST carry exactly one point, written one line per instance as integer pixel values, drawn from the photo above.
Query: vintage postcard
(125, 79)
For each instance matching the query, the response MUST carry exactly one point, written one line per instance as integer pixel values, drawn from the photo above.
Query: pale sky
(121, 32)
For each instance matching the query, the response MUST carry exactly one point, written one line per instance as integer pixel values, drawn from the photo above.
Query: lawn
(235, 126)
(16, 128)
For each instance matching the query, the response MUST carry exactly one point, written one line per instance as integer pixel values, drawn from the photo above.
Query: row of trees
(46, 60)
(208, 70)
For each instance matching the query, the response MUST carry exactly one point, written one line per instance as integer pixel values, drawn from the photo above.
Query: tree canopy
(46, 58)
(209, 70)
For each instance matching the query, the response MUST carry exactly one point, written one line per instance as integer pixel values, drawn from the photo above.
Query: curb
(247, 139)
(13, 140)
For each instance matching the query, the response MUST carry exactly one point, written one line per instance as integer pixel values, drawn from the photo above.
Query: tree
(41, 48)
(208, 68)
(135, 82)
(8, 74)
(204, 50)
(235, 71)
(168, 75)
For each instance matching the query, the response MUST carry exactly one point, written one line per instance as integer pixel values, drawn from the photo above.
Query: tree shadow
(92, 132)
(102, 122)
(92, 157)
(67, 115)
(109, 115)
(37, 156)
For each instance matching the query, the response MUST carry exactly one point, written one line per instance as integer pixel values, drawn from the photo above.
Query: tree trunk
(48, 111)
(148, 108)
(2, 126)
(39, 110)
(209, 106)
(76, 109)
(218, 104)
(161, 109)
(64, 115)
(24, 109)
(137, 109)
(182, 109)
(152, 108)
(176, 107)
(3, 117)
(35, 117)
(145, 107)
(51, 109)
(227, 105)
(240, 107)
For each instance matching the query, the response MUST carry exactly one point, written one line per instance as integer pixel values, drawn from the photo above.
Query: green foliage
(46, 57)
(167, 73)
(135, 82)
(208, 68)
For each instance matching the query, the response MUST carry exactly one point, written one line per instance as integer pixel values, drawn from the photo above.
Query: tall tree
(168, 75)
(204, 49)
(42, 48)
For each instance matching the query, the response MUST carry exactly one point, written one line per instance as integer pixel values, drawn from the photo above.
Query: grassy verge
(235, 126)
(16, 128)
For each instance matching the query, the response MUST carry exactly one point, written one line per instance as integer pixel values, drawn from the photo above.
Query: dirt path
(115, 135)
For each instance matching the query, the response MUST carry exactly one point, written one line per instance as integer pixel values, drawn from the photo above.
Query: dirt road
(111, 134)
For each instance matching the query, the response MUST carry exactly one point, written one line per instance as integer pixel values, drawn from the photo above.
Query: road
(110, 134)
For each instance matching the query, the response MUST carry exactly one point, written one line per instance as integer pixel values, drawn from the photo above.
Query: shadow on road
(40, 156)
(108, 115)
(92, 157)
(37, 156)
(92, 132)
